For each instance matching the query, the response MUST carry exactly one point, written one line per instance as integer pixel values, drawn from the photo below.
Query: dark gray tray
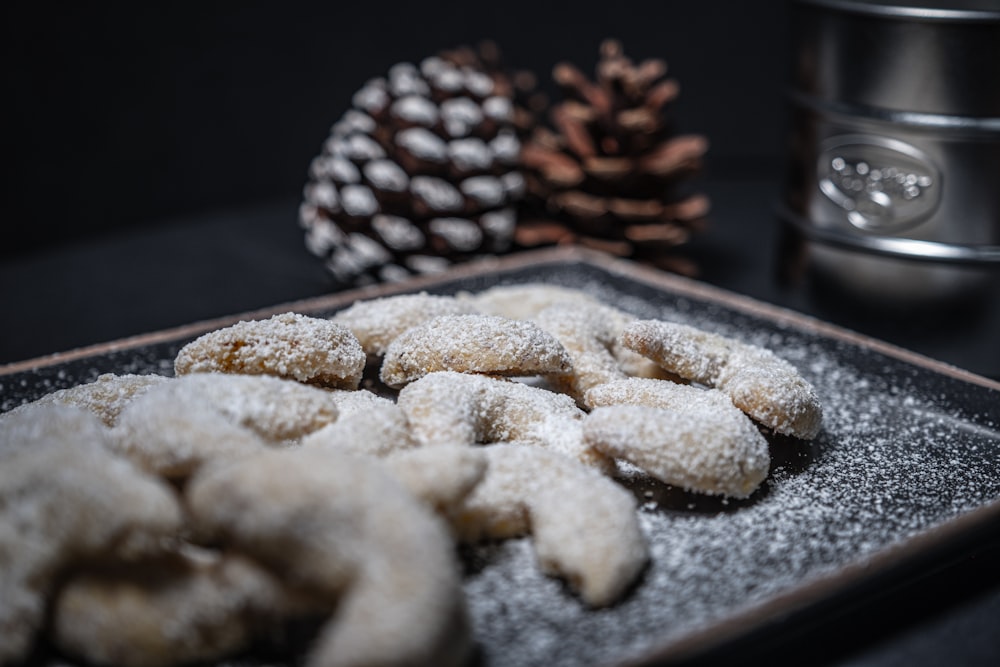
(905, 473)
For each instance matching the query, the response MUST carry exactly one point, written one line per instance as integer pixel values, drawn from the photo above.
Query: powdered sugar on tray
(879, 473)
(898, 454)
(889, 463)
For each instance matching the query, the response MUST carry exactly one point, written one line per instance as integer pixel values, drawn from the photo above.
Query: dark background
(129, 114)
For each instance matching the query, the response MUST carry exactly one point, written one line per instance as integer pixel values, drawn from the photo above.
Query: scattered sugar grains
(889, 462)
(880, 471)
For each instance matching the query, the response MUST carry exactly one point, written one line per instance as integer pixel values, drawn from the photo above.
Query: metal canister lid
(934, 10)
(913, 57)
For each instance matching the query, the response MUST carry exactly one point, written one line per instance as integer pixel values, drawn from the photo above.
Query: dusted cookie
(472, 344)
(106, 396)
(343, 527)
(442, 476)
(65, 497)
(525, 301)
(766, 387)
(589, 337)
(463, 409)
(584, 525)
(682, 435)
(176, 427)
(373, 426)
(377, 430)
(378, 322)
(275, 409)
(357, 402)
(293, 346)
(175, 610)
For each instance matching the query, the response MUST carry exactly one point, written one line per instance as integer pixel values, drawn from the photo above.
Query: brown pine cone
(422, 172)
(612, 174)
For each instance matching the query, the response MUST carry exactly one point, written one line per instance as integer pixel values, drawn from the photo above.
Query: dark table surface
(227, 262)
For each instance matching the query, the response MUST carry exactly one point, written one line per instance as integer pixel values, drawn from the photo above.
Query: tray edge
(560, 254)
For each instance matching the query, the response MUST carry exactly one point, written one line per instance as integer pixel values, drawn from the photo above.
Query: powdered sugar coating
(766, 387)
(588, 338)
(289, 345)
(524, 301)
(583, 525)
(377, 429)
(693, 438)
(155, 439)
(105, 397)
(174, 610)
(466, 409)
(472, 344)
(275, 409)
(528, 300)
(176, 427)
(66, 498)
(357, 402)
(342, 527)
(441, 477)
(378, 322)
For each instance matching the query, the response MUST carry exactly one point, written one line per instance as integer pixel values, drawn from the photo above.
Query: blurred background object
(609, 170)
(896, 146)
(125, 115)
(424, 170)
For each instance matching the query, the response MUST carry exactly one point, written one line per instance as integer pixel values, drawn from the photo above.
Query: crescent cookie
(588, 336)
(442, 477)
(342, 527)
(377, 322)
(176, 427)
(472, 344)
(65, 498)
(760, 383)
(686, 436)
(370, 425)
(106, 396)
(175, 610)
(356, 402)
(525, 301)
(380, 429)
(584, 526)
(448, 408)
(289, 345)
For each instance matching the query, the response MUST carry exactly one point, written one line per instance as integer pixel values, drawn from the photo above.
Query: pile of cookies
(310, 468)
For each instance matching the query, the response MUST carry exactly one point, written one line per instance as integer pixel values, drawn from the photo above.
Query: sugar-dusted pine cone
(422, 172)
(611, 173)
(520, 86)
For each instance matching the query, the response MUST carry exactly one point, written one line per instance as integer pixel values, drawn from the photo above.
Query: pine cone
(520, 86)
(422, 172)
(612, 174)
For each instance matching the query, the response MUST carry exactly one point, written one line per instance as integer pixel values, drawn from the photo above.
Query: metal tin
(894, 166)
